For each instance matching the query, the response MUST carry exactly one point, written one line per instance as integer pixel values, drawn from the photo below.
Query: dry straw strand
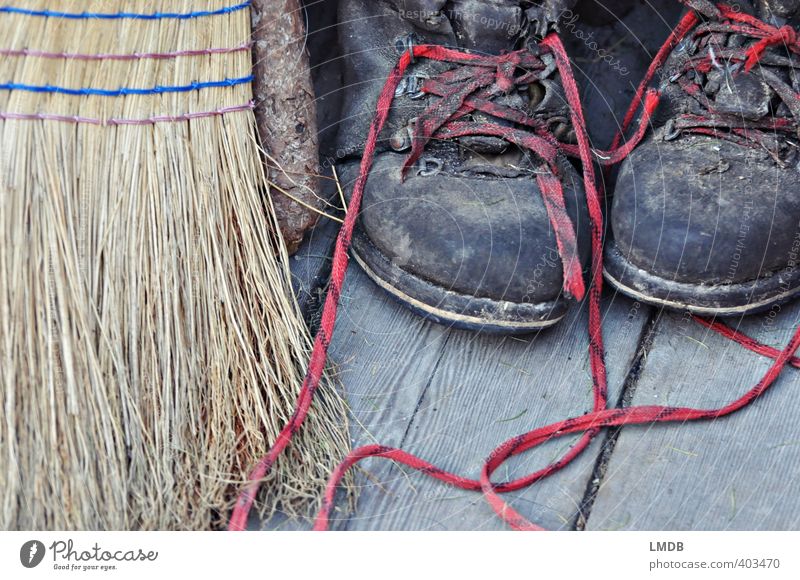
(150, 344)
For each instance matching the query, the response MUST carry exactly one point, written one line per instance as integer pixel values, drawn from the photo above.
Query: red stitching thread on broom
(25, 52)
(589, 424)
(7, 116)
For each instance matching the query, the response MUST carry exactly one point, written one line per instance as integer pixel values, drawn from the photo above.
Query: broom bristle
(150, 346)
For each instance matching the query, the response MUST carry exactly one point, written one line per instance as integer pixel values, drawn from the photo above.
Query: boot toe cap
(705, 211)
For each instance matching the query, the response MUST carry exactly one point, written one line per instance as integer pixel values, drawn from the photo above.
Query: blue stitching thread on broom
(124, 15)
(228, 82)
(123, 91)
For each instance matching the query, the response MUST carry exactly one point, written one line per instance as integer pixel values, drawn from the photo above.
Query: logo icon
(31, 553)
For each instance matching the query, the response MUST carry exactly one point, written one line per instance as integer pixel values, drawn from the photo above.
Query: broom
(150, 346)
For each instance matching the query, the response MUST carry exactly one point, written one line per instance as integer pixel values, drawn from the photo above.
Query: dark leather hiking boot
(487, 228)
(706, 212)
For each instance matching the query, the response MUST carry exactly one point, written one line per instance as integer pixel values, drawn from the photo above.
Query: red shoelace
(446, 120)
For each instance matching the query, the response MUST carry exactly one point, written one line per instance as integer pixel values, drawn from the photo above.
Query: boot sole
(735, 299)
(451, 308)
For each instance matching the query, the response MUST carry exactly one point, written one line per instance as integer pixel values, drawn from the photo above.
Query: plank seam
(425, 389)
(646, 338)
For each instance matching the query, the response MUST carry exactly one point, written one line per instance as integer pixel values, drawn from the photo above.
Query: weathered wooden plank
(384, 357)
(488, 389)
(739, 472)
(484, 390)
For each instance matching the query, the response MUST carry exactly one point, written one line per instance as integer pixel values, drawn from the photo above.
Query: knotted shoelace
(439, 124)
(703, 41)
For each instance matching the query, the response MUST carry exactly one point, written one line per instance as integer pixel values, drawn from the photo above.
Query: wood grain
(471, 393)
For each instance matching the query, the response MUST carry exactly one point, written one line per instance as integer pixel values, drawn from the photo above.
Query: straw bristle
(150, 346)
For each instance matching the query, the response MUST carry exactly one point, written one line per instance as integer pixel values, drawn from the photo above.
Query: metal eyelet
(411, 85)
(402, 139)
(424, 170)
(401, 87)
(670, 131)
(406, 44)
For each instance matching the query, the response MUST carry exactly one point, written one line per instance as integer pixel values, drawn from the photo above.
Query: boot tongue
(486, 26)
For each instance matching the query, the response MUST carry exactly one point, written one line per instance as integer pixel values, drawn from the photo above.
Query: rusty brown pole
(286, 112)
